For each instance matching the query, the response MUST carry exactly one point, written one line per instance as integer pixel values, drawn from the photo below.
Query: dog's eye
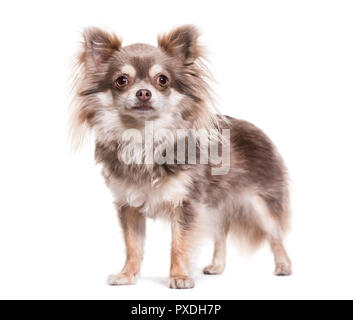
(121, 82)
(163, 80)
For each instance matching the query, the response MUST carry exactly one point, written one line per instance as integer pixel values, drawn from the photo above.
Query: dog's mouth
(143, 107)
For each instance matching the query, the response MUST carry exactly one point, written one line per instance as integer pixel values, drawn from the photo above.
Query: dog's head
(122, 87)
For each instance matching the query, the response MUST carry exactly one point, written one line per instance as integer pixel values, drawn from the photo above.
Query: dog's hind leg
(283, 263)
(271, 226)
(220, 250)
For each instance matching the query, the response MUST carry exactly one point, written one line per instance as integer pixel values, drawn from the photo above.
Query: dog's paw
(121, 279)
(283, 269)
(181, 283)
(213, 269)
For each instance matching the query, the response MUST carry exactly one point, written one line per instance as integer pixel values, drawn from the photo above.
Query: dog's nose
(144, 95)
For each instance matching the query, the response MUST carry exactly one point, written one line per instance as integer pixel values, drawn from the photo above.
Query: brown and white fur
(251, 200)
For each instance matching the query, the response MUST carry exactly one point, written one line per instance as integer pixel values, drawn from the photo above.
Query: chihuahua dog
(167, 153)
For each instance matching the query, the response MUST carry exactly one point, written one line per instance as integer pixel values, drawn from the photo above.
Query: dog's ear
(99, 45)
(182, 42)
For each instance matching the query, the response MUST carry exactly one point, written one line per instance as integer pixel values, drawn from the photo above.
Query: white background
(286, 66)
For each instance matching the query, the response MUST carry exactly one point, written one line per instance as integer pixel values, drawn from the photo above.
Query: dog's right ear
(99, 45)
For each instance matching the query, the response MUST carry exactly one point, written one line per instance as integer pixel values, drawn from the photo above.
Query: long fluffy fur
(251, 200)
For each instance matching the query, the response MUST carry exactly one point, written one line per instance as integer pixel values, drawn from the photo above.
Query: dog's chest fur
(158, 197)
(154, 189)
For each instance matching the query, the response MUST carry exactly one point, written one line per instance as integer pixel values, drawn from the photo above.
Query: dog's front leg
(182, 242)
(133, 224)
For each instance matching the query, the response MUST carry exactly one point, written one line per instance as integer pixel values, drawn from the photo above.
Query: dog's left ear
(182, 42)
